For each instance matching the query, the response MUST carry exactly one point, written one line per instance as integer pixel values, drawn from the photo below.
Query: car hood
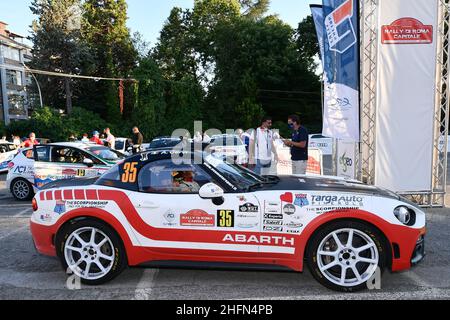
(327, 184)
(75, 182)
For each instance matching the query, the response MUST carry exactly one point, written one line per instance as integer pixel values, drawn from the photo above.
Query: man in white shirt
(261, 148)
(110, 139)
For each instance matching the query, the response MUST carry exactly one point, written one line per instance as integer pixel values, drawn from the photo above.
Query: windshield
(120, 145)
(106, 153)
(237, 175)
(164, 143)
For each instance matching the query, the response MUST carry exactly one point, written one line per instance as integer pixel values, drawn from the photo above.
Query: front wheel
(91, 250)
(345, 255)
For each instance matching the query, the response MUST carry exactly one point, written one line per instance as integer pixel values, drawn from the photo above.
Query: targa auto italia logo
(339, 27)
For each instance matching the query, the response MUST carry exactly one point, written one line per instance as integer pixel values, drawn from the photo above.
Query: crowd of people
(261, 148)
(104, 139)
(259, 142)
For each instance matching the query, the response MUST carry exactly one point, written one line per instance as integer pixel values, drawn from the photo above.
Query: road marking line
(23, 212)
(14, 232)
(145, 286)
(14, 205)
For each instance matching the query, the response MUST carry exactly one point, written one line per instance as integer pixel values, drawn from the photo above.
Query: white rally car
(7, 152)
(33, 168)
(154, 209)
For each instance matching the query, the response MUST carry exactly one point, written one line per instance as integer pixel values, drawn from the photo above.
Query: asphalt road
(24, 274)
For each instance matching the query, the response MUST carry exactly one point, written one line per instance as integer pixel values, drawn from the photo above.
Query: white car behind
(7, 152)
(33, 168)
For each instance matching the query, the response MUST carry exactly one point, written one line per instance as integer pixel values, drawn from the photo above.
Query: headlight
(405, 215)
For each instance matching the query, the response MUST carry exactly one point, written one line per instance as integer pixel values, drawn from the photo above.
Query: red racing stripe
(182, 235)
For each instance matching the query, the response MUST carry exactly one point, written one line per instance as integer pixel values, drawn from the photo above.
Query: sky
(148, 16)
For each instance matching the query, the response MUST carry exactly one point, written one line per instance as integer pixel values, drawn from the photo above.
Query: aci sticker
(60, 207)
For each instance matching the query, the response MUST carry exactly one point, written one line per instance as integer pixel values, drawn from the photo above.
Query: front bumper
(419, 252)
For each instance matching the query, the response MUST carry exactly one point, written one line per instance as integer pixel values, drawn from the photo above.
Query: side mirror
(211, 191)
(88, 162)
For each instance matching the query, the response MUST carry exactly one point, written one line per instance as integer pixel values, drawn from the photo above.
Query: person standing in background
(17, 142)
(85, 138)
(261, 148)
(96, 138)
(31, 141)
(137, 140)
(298, 145)
(110, 139)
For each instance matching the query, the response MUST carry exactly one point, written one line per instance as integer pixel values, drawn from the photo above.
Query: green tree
(255, 9)
(109, 39)
(58, 47)
(306, 38)
(149, 114)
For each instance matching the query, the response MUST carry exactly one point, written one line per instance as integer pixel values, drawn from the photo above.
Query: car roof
(166, 138)
(79, 145)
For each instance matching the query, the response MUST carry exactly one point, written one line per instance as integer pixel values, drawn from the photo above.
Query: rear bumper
(43, 238)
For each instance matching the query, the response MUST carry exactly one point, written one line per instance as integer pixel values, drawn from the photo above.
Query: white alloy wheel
(89, 253)
(348, 257)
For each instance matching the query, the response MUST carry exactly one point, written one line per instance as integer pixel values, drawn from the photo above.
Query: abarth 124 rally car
(154, 211)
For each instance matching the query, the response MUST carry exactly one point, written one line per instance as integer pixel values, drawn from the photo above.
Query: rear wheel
(91, 250)
(345, 255)
(22, 190)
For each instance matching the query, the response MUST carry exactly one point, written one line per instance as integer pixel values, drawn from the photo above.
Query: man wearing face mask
(298, 145)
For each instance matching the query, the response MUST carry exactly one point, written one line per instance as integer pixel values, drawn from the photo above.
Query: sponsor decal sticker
(45, 217)
(287, 197)
(273, 222)
(294, 225)
(197, 218)
(289, 209)
(60, 207)
(273, 229)
(273, 216)
(247, 225)
(76, 204)
(170, 219)
(301, 200)
(69, 172)
(330, 200)
(272, 207)
(248, 207)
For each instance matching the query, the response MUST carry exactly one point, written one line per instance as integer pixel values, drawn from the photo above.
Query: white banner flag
(406, 94)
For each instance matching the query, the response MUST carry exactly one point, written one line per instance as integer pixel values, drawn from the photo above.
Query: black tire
(24, 185)
(319, 236)
(120, 259)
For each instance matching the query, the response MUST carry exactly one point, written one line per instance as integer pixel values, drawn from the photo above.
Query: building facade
(14, 54)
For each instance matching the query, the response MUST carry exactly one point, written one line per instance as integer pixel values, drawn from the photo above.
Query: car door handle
(148, 205)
